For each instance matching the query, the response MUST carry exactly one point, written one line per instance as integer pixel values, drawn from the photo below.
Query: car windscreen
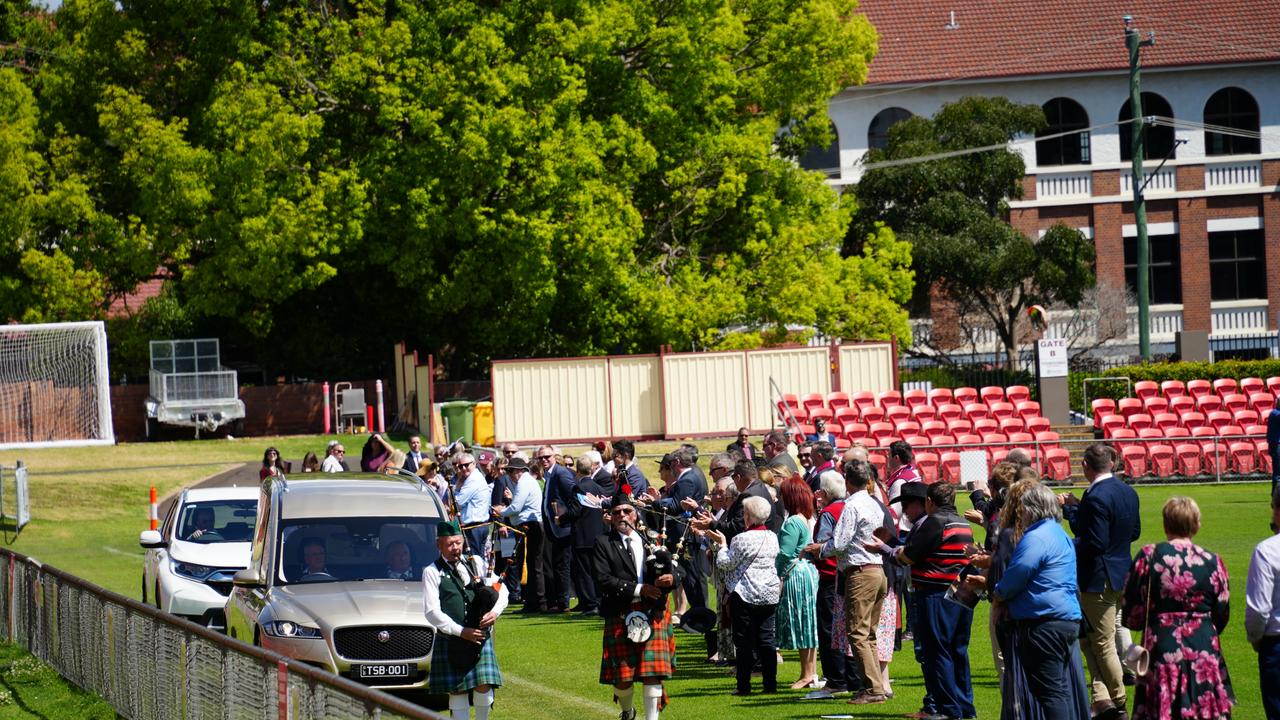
(217, 521)
(364, 548)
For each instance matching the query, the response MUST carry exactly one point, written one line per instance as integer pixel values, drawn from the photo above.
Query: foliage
(1159, 372)
(954, 212)
(478, 179)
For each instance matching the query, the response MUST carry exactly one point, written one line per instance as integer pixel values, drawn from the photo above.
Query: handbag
(1136, 658)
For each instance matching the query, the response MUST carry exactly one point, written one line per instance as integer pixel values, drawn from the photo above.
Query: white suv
(202, 544)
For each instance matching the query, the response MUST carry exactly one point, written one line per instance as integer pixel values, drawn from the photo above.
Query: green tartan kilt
(623, 661)
(445, 678)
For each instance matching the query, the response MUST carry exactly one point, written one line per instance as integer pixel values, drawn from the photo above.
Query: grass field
(89, 504)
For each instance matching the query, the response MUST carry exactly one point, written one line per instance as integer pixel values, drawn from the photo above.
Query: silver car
(335, 575)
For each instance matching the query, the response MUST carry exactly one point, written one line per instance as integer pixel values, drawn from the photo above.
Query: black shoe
(1111, 713)
(1129, 678)
(740, 693)
(531, 610)
(588, 610)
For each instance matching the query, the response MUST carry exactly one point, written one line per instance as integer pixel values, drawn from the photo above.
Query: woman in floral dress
(1181, 589)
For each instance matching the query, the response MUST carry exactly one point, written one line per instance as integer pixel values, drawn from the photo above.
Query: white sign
(1053, 358)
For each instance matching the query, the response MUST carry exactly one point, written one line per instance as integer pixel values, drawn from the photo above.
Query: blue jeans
(1268, 671)
(944, 642)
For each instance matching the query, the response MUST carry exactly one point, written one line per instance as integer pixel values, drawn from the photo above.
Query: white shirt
(1262, 591)
(331, 464)
(431, 577)
(858, 521)
(473, 497)
(748, 567)
(526, 501)
(632, 541)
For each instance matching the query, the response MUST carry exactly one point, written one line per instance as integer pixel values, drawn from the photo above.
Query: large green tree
(480, 179)
(954, 210)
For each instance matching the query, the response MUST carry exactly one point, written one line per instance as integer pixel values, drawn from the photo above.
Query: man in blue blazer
(624, 463)
(1105, 521)
(557, 494)
(686, 481)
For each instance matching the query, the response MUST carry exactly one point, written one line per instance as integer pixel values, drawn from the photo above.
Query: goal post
(54, 385)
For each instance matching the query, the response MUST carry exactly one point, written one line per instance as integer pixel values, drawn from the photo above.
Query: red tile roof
(1004, 38)
(128, 305)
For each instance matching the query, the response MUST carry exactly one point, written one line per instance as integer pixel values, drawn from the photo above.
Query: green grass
(89, 504)
(31, 689)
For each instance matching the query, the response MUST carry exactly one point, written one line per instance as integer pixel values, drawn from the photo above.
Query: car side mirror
(151, 539)
(247, 577)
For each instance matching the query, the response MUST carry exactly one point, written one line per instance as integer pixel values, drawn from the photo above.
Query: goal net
(54, 386)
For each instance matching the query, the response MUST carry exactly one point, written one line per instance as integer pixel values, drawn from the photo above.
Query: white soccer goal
(54, 386)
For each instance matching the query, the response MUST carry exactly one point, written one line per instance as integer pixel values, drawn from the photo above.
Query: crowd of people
(817, 553)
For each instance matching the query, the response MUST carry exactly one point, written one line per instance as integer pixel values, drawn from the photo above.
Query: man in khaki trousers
(1105, 522)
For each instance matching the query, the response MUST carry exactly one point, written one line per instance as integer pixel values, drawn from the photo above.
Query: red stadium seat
(881, 432)
(1017, 394)
(908, 427)
(1110, 423)
(791, 399)
(939, 396)
(835, 429)
(917, 442)
(964, 395)
(1232, 402)
(1189, 459)
(1262, 402)
(855, 430)
(1057, 464)
(843, 443)
(1012, 424)
(1231, 432)
(1208, 403)
(889, 398)
(1129, 406)
(927, 462)
(969, 441)
(1225, 386)
(1160, 460)
(915, 398)
(872, 413)
(924, 413)
(991, 394)
(949, 412)
(959, 426)
(897, 413)
(1245, 417)
(806, 429)
(975, 410)
(1139, 421)
(1216, 457)
(1164, 421)
(998, 454)
(933, 428)
(1023, 440)
(944, 440)
(846, 415)
(1151, 433)
(1027, 408)
(820, 412)
(1037, 424)
(984, 426)
(1192, 420)
(1123, 437)
(1182, 404)
(1219, 419)
(1144, 389)
(1134, 458)
(1001, 409)
(838, 400)
(1264, 457)
(1244, 457)
(995, 440)
(811, 401)
(1177, 432)
(949, 467)
(800, 414)
(1273, 385)
(1172, 389)
(863, 400)
(1048, 439)
(1102, 407)
(1256, 429)
(881, 461)
(1251, 385)
(1155, 404)
(1199, 388)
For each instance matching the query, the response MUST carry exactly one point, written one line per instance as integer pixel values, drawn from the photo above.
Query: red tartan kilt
(623, 661)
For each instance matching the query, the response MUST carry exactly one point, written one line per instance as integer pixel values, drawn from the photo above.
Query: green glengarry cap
(447, 528)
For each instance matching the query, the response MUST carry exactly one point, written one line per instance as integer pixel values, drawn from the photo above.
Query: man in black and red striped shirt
(935, 552)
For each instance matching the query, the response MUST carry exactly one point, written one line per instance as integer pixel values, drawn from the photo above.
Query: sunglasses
(339, 452)
(544, 457)
(462, 465)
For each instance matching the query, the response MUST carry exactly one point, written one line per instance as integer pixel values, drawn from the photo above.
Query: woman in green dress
(797, 609)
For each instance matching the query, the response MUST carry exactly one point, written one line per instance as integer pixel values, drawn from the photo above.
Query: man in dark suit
(557, 493)
(413, 458)
(686, 482)
(586, 523)
(747, 479)
(1105, 521)
(743, 446)
(626, 589)
(624, 467)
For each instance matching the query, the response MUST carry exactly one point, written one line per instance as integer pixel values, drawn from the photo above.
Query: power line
(1232, 33)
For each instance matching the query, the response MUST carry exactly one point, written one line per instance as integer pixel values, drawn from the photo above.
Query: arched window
(1157, 140)
(1064, 116)
(1234, 108)
(825, 160)
(878, 132)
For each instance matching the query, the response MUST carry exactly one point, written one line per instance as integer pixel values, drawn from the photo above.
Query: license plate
(382, 671)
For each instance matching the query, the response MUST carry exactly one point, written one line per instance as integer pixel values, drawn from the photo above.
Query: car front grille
(404, 642)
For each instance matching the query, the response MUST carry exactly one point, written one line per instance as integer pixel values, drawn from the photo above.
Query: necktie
(626, 542)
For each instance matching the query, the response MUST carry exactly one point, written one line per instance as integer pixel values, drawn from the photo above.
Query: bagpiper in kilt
(463, 662)
(630, 603)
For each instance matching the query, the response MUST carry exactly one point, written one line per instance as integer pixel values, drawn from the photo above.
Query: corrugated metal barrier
(149, 665)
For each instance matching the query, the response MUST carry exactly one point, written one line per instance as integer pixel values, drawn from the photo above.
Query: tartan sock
(652, 699)
(460, 706)
(483, 701)
(624, 698)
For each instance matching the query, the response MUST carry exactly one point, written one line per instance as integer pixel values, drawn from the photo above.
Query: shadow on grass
(17, 698)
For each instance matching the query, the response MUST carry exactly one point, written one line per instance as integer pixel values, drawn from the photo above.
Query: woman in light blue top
(798, 606)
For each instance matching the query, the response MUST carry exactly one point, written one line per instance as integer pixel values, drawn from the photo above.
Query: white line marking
(112, 550)
(593, 705)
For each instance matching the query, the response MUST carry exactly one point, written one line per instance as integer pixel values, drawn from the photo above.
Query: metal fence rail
(152, 666)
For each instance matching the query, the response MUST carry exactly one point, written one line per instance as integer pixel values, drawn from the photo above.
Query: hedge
(1159, 372)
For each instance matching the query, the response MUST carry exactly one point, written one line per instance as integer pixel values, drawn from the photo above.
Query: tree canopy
(479, 179)
(954, 211)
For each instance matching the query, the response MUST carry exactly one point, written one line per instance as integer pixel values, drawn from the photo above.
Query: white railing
(1238, 317)
(189, 387)
(1064, 185)
(1164, 322)
(1219, 175)
(1166, 180)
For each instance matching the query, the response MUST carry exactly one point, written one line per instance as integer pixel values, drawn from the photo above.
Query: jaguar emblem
(384, 636)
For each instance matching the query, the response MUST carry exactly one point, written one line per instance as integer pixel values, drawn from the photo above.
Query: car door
(245, 603)
(155, 558)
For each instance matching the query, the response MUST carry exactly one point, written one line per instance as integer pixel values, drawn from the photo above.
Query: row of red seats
(1196, 388)
(920, 413)
(911, 398)
(1189, 421)
(1207, 457)
(1259, 404)
(932, 428)
(1054, 462)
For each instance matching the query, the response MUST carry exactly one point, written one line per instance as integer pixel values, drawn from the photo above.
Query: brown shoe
(867, 698)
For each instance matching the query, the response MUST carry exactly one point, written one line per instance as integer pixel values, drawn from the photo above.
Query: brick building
(1214, 207)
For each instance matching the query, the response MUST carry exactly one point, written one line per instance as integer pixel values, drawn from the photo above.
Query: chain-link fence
(152, 666)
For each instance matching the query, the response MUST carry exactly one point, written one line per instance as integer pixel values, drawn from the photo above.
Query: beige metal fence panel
(705, 393)
(551, 400)
(423, 410)
(635, 393)
(867, 366)
(795, 370)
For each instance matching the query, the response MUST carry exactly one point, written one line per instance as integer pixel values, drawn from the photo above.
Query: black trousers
(1046, 651)
(843, 672)
(753, 638)
(558, 555)
(535, 587)
(583, 584)
(694, 583)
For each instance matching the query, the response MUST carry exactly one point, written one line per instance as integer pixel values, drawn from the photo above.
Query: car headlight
(193, 571)
(288, 629)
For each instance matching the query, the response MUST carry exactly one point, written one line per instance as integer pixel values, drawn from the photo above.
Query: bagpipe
(484, 597)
